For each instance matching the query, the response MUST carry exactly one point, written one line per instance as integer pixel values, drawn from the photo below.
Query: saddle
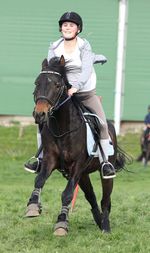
(89, 117)
(93, 129)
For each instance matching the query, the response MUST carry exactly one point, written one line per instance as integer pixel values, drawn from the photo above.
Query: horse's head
(51, 84)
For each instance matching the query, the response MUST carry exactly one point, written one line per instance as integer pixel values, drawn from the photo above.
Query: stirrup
(108, 176)
(31, 161)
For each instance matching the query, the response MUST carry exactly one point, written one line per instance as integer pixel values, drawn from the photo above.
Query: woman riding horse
(64, 145)
(82, 77)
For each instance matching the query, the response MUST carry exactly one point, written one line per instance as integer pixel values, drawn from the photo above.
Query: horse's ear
(44, 64)
(62, 61)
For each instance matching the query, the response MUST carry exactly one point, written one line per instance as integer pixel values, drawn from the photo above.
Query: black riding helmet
(71, 17)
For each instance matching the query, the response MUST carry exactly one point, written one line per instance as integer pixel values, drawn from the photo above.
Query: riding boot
(33, 165)
(107, 169)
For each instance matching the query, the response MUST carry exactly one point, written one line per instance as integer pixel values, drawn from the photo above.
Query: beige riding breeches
(91, 100)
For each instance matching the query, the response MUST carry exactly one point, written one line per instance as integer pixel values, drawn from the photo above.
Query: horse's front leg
(61, 226)
(107, 186)
(34, 207)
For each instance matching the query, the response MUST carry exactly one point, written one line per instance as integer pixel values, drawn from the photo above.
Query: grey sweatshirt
(85, 79)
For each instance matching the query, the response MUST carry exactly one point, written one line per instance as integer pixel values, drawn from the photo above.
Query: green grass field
(130, 215)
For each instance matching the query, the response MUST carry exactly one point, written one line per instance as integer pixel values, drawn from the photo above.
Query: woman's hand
(71, 91)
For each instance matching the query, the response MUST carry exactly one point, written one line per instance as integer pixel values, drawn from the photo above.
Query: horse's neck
(68, 115)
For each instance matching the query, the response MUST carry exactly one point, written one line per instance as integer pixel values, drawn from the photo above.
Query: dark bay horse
(64, 148)
(145, 147)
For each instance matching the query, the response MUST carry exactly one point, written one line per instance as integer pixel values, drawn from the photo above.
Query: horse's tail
(122, 160)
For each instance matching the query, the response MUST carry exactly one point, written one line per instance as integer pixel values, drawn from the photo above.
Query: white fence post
(122, 24)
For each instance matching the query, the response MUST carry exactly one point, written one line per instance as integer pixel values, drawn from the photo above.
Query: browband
(50, 72)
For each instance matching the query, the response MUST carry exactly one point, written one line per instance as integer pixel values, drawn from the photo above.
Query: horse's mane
(55, 65)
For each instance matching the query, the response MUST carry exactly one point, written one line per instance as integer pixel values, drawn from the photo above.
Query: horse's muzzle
(40, 112)
(40, 117)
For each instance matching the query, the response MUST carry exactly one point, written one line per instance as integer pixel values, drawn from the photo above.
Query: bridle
(55, 105)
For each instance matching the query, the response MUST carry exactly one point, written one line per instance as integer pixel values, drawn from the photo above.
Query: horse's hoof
(97, 216)
(33, 210)
(61, 228)
(60, 232)
(105, 224)
(108, 231)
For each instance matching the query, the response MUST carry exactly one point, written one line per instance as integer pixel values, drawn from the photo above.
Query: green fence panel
(137, 69)
(27, 28)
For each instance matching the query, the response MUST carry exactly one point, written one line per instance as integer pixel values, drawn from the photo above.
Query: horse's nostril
(39, 117)
(41, 114)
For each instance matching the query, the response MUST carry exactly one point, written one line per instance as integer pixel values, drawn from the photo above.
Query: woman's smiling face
(69, 30)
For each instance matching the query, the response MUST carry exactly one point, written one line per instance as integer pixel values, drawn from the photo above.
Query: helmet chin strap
(68, 39)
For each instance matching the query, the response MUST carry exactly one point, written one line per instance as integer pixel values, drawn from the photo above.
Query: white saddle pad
(91, 142)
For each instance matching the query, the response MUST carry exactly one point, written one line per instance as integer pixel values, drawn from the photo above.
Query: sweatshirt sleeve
(88, 58)
(87, 66)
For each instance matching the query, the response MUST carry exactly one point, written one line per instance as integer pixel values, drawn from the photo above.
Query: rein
(65, 133)
(62, 103)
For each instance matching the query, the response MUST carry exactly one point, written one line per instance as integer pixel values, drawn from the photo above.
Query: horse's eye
(49, 80)
(57, 85)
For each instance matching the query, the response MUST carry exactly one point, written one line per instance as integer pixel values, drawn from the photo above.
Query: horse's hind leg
(107, 186)
(87, 188)
(34, 207)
